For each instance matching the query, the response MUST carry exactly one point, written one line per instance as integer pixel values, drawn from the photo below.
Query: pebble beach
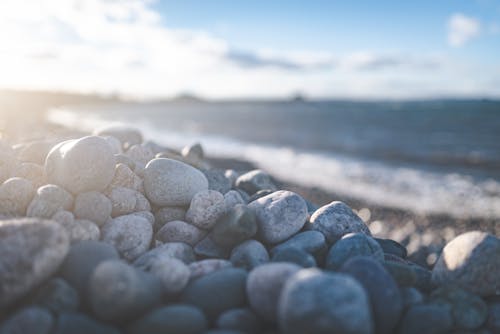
(105, 232)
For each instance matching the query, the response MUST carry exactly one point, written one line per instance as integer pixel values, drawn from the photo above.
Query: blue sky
(228, 49)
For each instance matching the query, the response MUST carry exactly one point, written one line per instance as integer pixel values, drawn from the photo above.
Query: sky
(253, 49)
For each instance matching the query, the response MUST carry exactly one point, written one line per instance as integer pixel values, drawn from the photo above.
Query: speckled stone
(141, 154)
(207, 266)
(93, 206)
(335, 220)
(176, 250)
(205, 208)
(279, 215)
(32, 172)
(249, 255)
(254, 181)
(353, 244)
(15, 196)
(131, 235)
(81, 230)
(64, 217)
(32, 250)
(172, 183)
(217, 180)
(173, 273)
(234, 227)
(48, 200)
(179, 231)
(125, 177)
(316, 302)
(126, 135)
(125, 201)
(32, 320)
(168, 214)
(472, 261)
(81, 165)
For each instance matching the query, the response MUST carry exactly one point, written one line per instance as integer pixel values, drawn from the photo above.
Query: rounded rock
(239, 319)
(204, 267)
(279, 215)
(217, 180)
(168, 214)
(32, 320)
(179, 231)
(32, 250)
(493, 322)
(472, 261)
(312, 242)
(205, 208)
(8, 161)
(173, 273)
(32, 172)
(58, 296)
(78, 323)
(172, 183)
(123, 200)
(176, 250)
(426, 318)
(335, 220)
(93, 206)
(15, 196)
(48, 200)
(317, 302)
(81, 165)
(125, 177)
(352, 244)
(249, 255)
(126, 135)
(255, 180)
(294, 255)
(81, 230)
(234, 227)
(232, 198)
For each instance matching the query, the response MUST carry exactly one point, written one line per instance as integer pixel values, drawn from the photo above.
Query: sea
(430, 157)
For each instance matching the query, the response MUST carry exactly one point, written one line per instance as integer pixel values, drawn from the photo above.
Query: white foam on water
(401, 187)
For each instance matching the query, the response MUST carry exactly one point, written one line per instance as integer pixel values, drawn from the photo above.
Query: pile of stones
(110, 234)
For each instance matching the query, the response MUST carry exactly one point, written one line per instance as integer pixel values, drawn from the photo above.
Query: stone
(32, 172)
(179, 231)
(63, 217)
(126, 135)
(32, 320)
(392, 247)
(279, 215)
(472, 261)
(78, 323)
(403, 274)
(131, 235)
(255, 180)
(469, 311)
(423, 278)
(239, 319)
(234, 227)
(217, 292)
(493, 322)
(176, 250)
(57, 296)
(81, 230)
(335, 220)
(426, 318)
(193, 152)
(48, 200)
(312, 242)
(205, 208)
(173, 273)
(217, 180)
(125, 201)
(125, 177)
(316, 302)
(15, 196)
(411, 296)
(204, 267)
(83, 257)
(264, 287)
(93, 206)
(353, 244)
(172, 183)
(146, 215)
(249, 255)
(32, 250)
(207, 248)
(81, 165)
(383, 292)
(123, 159)
(114, 143)
(171, 319)
(168, 214)
(260, 194)
(35, 151)
(231, 175)
(8, 161)
(294, 255)
(140, 154)
(232, 198)
(118, 291)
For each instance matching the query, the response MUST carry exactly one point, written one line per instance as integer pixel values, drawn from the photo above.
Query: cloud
(369, 61)
(249, 59)
(462, 29)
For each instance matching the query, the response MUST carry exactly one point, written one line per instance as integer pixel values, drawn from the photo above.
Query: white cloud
(462, 29)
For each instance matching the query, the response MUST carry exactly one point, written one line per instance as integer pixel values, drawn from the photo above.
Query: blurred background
(391, 103)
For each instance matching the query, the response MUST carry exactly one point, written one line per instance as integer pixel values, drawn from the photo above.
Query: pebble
(261, 193)
(234, 227)
(279, 215)
(146, 215)
(125, 201)
(131, 235)
(48, 200)
(426, 318)
(194, 151)
(125, 177)
(172, 183)
(123, 159)
(383, 292)
(411, 296)
(168, 214)
(217, 292)
(141, 154)
(468, 310)
(232, 198)
(179, 231)
(57, 296)
(472, 261)
(93, 206)
(294, 255)
(239, 319)
(126, 135)
(205, 208)
(32, 172)
(217, 180)
(249, 255)
(176, 250)
(264, 287)
(83, 257)
(171, 319)
(32, 250)
(81, 165)
(352, 244)
(114, 143)
(255, 180)
(204, 267)
(403, 274)
(231, 175)
(493, 322)
(81, 230)
(118, 291)
(15, 196)
(8, 161)
(316, 302)
(35, 151)
(64, 217)
(207, 248)
(173, 273)
(312, 242)
(32, 320)
(335, 220)
(78, 323)
(392, 247)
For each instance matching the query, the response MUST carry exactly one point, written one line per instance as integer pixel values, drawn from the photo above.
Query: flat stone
(93, 206)
(172, 183)
(176, 250)
(81, 165)
(316, 302)
(264, 286)
(254, 181)
(15, 196)
(249, 255)
(48, 200)
(32, 320)
(353, 244)
(32, 250)
(179, 231)
(279, 215)
(173, 273)
(57, 296)
(205, 208)
(335, 220)
(472, 261)
(235, 226)
(131, 235)
(207, 266)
